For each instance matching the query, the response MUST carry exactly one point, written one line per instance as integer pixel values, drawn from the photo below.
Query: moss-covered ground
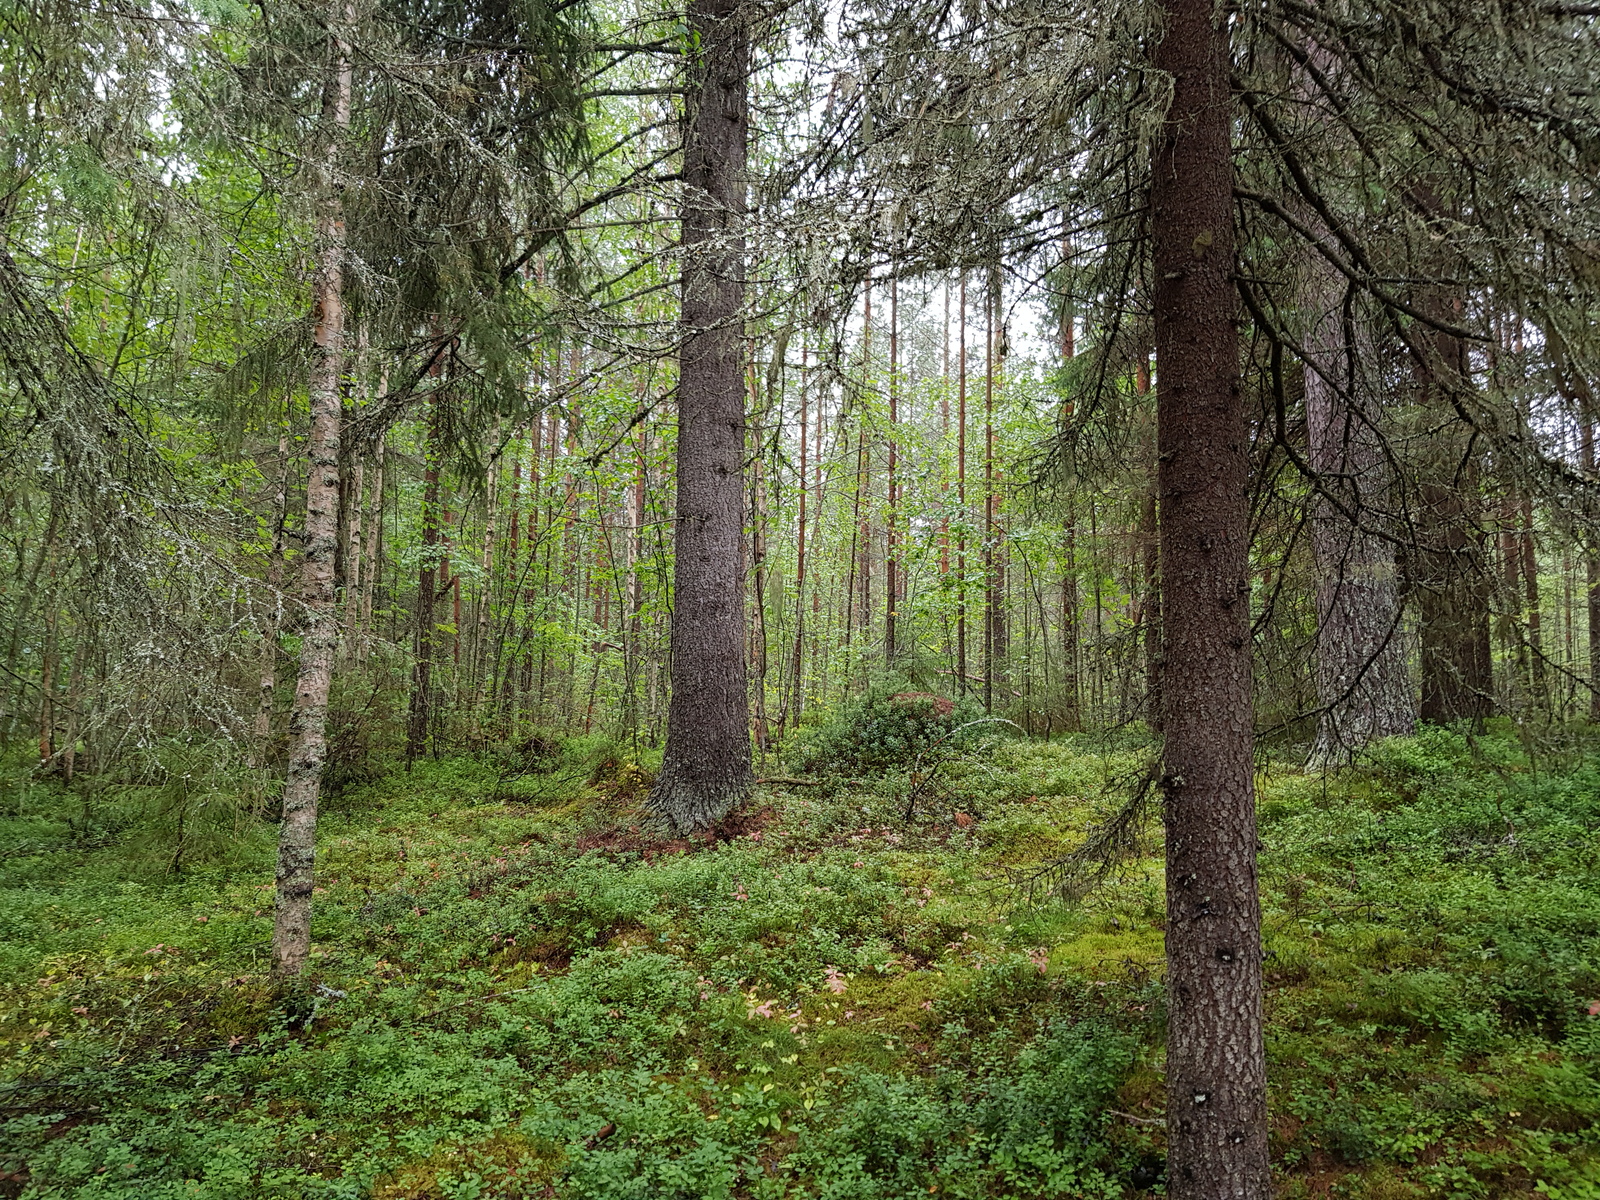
(515, 993)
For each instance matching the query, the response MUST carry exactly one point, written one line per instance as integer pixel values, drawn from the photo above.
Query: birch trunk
(291, 932)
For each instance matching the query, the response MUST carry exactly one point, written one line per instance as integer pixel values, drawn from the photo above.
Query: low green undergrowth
(515, 991)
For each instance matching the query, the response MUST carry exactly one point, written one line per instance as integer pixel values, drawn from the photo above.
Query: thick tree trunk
(291, 930)
(1363, 686)
(1450, 575)
(1216, 1064)
(1454, 612)
(705, 768)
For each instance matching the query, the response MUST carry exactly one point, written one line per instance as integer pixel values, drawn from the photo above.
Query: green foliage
(882, 728)
(833, 1004)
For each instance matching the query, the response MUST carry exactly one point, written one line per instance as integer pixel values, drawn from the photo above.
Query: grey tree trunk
(1363, 685)
(308, 718)
(1449, 571)
(705, 768)
(1216, 1060)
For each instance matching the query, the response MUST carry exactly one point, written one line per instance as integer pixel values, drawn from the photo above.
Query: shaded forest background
(950, 428)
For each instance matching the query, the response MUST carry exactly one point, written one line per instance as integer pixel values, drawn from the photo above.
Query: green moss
(498, 978)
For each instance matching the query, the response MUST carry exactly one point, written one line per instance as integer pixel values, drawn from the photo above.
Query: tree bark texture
(308, 717)
(1449, 572)
(705, 768)
(1216, 1064)
(1363, 685)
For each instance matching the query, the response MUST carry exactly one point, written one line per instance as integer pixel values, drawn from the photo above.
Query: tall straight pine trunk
(705, 767)
(1216, 1063)
(308, 717)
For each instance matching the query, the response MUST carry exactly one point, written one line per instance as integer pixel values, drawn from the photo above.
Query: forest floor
(518, 994)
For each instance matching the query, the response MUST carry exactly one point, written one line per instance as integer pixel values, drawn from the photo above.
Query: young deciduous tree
(308, 718)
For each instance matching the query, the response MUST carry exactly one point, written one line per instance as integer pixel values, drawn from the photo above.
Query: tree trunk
(1072, 712)
(991, 577)
(1216, 1063)
(291, 930)
(758, 562)
(891, 566)
(798, 680)
(1363, 686)
(69, 748)
(961, 489)
(1450, 574)
(705, 767)
(1454, 613)
(420, 713)
(1530, 582)
(1591, 569)
(47, 708)
(372, 573)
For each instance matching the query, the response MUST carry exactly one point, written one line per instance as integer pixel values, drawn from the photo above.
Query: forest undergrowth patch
(519, 992)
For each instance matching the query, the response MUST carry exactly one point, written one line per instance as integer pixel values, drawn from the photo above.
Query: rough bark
(1449, 572)
(1453, 611)
(1216, 1068)
(1363, 685)
(705, 768)
(308, 717)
